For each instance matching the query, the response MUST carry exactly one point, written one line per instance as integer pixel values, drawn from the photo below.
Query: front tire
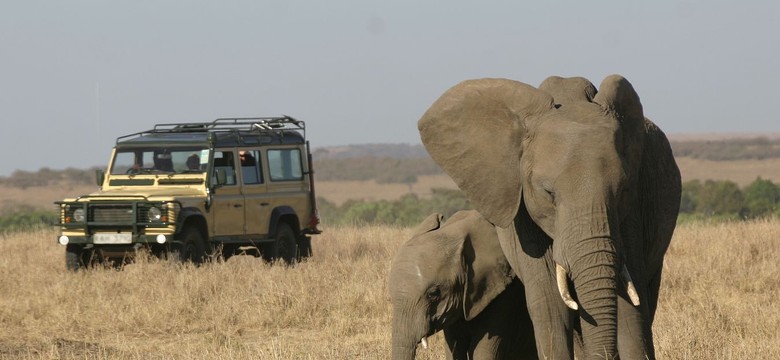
(77, 257)
(191, 247)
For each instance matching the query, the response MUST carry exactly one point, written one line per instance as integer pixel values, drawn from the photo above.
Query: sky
(75, 75)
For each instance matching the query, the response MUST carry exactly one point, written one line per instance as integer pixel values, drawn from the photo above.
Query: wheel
(191, 247)
(286, 243)
(76, 257)
(304, 247)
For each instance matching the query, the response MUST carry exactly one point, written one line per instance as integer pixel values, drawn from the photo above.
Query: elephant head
(565, 173)
(443, 275)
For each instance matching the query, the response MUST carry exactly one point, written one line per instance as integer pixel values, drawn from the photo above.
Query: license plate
(112, 238)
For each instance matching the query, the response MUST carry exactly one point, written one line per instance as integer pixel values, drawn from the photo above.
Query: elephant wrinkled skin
(584, 193)
(455, 278)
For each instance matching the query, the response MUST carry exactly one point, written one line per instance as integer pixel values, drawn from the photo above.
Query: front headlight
(78, 215)
(154, 214)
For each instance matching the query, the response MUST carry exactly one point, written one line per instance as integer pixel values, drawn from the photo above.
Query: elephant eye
(433, 293)
(548, 190)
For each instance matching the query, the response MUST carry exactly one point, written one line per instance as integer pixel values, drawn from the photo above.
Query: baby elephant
(454, 277)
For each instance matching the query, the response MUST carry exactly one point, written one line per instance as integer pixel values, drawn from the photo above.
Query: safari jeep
(196, 191)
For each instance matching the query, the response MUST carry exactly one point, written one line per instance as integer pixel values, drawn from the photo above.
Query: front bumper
(110, 239)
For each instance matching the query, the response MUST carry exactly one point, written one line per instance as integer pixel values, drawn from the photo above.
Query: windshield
(160, 160)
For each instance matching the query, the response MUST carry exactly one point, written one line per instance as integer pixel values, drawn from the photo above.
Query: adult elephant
(454, 278)
(583, 191)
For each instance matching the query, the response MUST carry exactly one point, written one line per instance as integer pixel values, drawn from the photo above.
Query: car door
(287, 184)
(255, 189)
(227, 208)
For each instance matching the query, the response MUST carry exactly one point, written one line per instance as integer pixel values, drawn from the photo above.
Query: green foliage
(27, 220)
(724, 200)
(409, 210)
(720, 198)
(689, 196)
(762, 197)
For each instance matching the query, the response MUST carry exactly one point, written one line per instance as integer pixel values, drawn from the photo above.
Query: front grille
(117, 213)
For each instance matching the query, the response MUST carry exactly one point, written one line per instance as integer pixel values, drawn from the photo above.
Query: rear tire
(286, 244)
(304, 247)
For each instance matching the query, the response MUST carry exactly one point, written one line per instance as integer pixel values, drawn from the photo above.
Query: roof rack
(270, 125)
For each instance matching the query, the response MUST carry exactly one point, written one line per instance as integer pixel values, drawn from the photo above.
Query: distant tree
(762, 197)
(690, 194)
(720, 198)
(447, 201)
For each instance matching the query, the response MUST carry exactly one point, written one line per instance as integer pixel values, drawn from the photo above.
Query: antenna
(97, 107)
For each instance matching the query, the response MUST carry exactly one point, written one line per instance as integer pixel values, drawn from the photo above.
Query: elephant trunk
(594, 273)
(404, 351)
(407, 334)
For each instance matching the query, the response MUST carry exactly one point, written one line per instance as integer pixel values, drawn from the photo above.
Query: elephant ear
(474, 131)
(568, 90)
(430, 223)
(617, 97)
(659, 194)
(487, 271)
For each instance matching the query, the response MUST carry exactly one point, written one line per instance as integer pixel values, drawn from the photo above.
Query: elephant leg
(635, 337)
(552, 320)
(504, 330)
(457, 337)
(631, 332)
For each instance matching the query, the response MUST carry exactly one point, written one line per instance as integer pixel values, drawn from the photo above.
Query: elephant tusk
(563, 287)
(424, 343)
(632, 294)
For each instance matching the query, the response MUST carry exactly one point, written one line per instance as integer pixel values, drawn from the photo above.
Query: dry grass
(742, 172)
(719, 301)
(719, 296)
(333, 306)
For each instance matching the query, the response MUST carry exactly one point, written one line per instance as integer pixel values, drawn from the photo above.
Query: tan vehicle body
(223, 204)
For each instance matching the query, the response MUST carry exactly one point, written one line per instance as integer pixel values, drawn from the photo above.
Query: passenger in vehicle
(246, 158)
(193, 162)
(163, 161)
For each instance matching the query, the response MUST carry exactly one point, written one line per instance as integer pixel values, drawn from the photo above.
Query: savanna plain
(719, 300)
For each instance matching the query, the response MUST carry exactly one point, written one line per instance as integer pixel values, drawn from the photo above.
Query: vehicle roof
(224, 132)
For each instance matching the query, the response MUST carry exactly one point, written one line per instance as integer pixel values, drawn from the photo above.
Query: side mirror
(100, 176)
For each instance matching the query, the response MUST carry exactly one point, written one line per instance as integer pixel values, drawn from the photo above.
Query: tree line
(710, 199)
(726, 200)
(408, 210)
(403, 163)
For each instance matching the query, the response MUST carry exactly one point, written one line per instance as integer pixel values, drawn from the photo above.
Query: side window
(224, 160)
(285, 164)
(250, 167)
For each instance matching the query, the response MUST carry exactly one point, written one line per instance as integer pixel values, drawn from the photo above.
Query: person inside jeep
(162, 161)
(193, 162)
(246, 158)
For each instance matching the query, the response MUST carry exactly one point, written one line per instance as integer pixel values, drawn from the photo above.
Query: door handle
(237, 205)
(264, 204)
